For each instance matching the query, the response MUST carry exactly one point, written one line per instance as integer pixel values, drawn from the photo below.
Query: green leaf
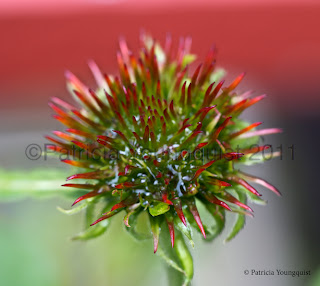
(184, 257)
(139, 218)
(169, 261)
(218, 214)
(95, 230)
(252, 197)
(128, 215)
(74, 210)
(240, 222)
(178, 258)
(255, 199)
(186, 230)
(155, 229)
(90, 211)
(158, 208)
(240, 219)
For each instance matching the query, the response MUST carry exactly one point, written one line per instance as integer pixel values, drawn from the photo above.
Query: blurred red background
(276, 43)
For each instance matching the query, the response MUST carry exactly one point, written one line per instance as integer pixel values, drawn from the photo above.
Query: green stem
(17, 184)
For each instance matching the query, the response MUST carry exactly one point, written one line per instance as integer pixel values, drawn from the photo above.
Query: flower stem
(18, 184)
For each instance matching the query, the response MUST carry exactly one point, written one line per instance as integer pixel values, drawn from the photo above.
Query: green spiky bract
(161, 141)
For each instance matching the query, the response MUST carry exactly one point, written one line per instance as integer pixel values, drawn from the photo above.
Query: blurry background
(276, 42)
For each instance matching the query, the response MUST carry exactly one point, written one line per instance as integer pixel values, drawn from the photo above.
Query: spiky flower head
(161, 138)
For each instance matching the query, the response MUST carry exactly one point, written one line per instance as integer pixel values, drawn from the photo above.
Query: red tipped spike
(62, 103)
(214, 93)
(198, 128)
(205, 166)
(153, 100)
(235, 83)
(250, 102)
(111, 101)
(189, 99)
(219, 183)
(166, 115)
(233, 200)
(183, 94)
(191, 137)
(135, 123)
(121, 119)
(260, 132)
(197, 174)
(80, 186)
(81, 133)
(205, 112)
(164, 128)
(199, 146)
(142, 123)
(183, 128)
(195, 75)
(150, 123)
(153, 138)
(105, 138)
(87, 196)
(89, 104)
(180, 78)
(171, 230)
(244, 184)
(119, 206)
(254, 150)
(261, 182)
(101, 105)
(104, 143)
(65, 145)
(232, 156)
(158, 92)
(69, 122)
(146, 134)
(214, 200)
(97, 175)
(58, 110)
(88, 121)
(219, 129)
(123, 204)
(124, 138)
(78, 164)
(236, 134)
(165, 199)
(136, 136)
(108, 215)
(178, 208)
(206, 96)
(82, 145)
(183, 155)
(194, 211)
(172, 109)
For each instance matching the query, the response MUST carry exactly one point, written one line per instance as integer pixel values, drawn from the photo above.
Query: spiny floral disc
(160, 140)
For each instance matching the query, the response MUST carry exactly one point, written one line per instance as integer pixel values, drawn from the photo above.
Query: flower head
(161, 138)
